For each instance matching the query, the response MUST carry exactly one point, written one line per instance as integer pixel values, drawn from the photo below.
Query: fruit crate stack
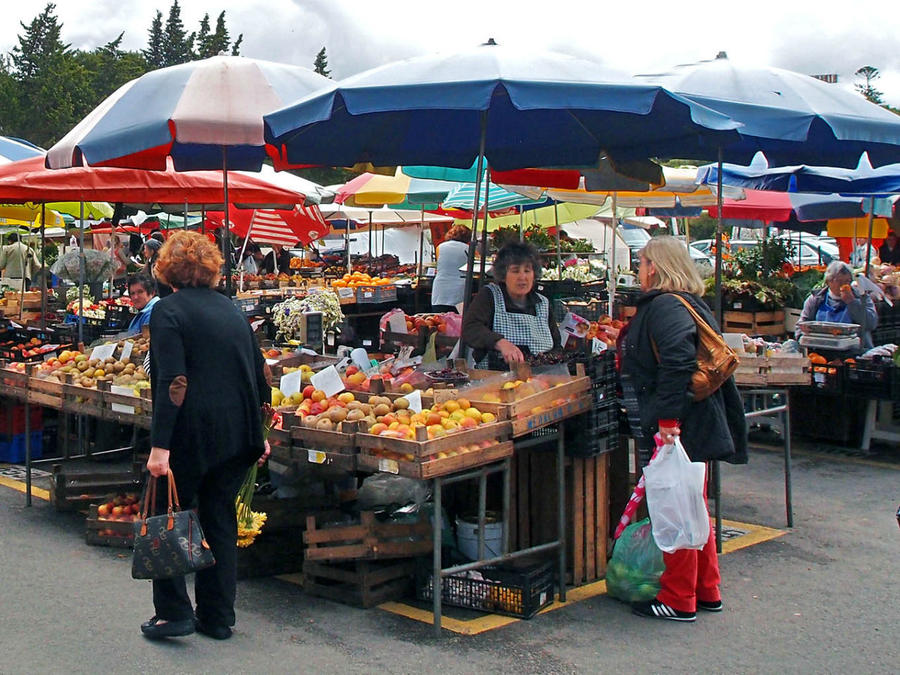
(871, 378)
(111, 523)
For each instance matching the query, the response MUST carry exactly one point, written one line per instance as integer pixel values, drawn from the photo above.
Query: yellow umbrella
(544, 216)
(858, 227)
(30, 216)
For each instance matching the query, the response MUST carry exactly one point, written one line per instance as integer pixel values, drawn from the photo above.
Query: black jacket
(207, 380)
(714, 428)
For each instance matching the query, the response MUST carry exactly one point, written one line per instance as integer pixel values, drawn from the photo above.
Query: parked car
(812, 251)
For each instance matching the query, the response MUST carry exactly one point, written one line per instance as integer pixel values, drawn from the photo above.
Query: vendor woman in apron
(508, 319)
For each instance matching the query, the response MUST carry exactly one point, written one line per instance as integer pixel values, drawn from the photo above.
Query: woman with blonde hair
(657, 353)
(208, 384)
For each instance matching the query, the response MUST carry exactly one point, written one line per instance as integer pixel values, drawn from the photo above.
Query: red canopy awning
(303, 224)
(29, 181)
(762, 205)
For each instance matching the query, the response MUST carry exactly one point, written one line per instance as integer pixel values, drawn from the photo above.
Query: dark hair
(516, 253)
(158, 236)
(147, 282)
(13, 237)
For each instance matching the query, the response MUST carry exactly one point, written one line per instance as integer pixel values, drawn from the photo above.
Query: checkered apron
(523, 330)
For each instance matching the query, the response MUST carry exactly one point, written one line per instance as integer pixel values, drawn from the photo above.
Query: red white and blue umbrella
(204, 114)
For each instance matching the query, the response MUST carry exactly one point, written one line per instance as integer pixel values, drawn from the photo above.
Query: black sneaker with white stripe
(658, 610)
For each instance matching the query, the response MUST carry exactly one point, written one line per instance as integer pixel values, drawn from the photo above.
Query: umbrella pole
(185, 213)
(521, 224)
(719, 205)
(81, 273)
(558, 246)
(612, 258)
(203, 219)
(470, 263)
(484, 231)
(869, 241)
(243, 250)
(226, 233)
(422, 243)
(370, 235)
(43, 267)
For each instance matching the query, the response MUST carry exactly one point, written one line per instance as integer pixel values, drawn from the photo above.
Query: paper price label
(415, 400)
(388, 465)
(328, 381)
(346, 293)
(291, 382)
(368, 294)
(315, 456)
(125, 391)
(126, 350)
(102, 352)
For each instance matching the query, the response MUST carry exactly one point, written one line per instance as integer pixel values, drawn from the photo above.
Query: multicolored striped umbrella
(400, 191)
(203, 114)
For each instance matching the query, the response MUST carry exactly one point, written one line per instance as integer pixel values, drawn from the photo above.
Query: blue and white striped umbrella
(14, 149)
(462, 196)
(204, 114)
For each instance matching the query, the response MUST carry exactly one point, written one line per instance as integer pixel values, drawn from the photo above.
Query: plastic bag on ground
(636, 565)
(675, 499)
(384, 490)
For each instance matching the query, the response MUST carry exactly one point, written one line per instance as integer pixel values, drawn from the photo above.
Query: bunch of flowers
(250, 522)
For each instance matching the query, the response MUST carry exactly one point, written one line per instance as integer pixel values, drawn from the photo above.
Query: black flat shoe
(156, 628)
(214, 631)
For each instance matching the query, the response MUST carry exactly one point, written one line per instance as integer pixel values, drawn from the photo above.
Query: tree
(51, 84)
(202, 39)
(177, 46)
(321, 64)
(10, 105)
(109, 67)
(870, 73)
(153, 54)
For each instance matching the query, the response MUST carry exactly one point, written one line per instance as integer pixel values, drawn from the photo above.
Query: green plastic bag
(636, 565)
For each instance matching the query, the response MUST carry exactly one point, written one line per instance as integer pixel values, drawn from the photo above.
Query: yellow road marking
(755, 534)
(40, 493)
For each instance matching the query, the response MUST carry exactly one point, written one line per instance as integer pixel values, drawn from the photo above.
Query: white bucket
(467, 538)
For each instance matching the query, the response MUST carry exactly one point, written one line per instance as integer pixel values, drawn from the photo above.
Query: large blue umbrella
(863, 180)
(793, 118)
(522, 108)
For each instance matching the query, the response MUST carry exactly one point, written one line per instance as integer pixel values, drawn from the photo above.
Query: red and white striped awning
(303, 224)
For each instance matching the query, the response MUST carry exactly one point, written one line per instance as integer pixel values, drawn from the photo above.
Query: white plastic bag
(675, 499)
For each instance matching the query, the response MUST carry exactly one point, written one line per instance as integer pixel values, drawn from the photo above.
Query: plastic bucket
(467, 536)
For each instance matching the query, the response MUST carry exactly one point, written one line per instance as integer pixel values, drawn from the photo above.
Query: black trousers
(214, 587)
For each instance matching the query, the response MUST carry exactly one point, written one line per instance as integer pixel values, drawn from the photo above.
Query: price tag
(125, 391)
(415, 400)
(291, 382)
(444, 395)
(126, 350)
(388, 465)
(102, 352)
(397, 323)
(368, 294)
(328, 381)
(597, 346)
(315, 456)
(346, 293)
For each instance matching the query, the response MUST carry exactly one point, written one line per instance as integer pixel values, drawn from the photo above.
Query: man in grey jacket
(17, 260)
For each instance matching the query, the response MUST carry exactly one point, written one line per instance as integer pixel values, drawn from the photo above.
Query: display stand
(777, 416)
(877, 411)
(481, 474)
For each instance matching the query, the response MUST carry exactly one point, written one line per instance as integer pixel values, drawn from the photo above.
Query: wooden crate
(327, 448)
(45, 392)
(533, 517)
(754, 323)
(128, 409)
(102, 532)
(361, 583)
(366, 540)
(73, 491)
(773, 371)
(429, 458)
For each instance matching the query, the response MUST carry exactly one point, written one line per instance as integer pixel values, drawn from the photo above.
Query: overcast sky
(808, 36)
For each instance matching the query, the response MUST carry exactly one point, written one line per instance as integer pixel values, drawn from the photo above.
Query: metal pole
(27, 447)
(717, 494)
(470, 264)
(81, 273)
(203, 219)
(788, 484)
(869, 241)
(422, 244)
(185, 213)
(561, 506)
(521, 223)
(612, 257)
(558, 247)
(720, 201)
(226, 238)
(437, 581)
(482, 512)
(43, 268)
(507, 500)
(484, 229)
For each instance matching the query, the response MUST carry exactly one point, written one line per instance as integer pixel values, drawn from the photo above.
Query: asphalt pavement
(823, 598)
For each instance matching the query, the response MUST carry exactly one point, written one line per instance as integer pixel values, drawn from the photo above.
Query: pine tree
(321, 64)
(153, 54)
(870, 73)
(219, 41)
(202, 40)
(49, 80)
(236, 47)
(109, 67)
(177, 45)
(10, 105)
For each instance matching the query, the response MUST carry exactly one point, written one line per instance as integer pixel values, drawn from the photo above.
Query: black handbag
(168, 545)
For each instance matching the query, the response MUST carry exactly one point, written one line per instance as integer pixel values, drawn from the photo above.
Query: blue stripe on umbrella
(14, 149)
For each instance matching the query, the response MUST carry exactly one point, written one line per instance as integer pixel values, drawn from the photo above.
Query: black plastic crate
(602, 372)
(828, 378)
(118, 317)
(869, 379)
(520, 589)
(590, 309)
(594, 432)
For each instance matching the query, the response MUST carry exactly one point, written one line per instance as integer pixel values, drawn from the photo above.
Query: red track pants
(691, 575)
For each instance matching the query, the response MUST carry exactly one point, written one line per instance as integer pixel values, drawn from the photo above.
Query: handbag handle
(150, 502)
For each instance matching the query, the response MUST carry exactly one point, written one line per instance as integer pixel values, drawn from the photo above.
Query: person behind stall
(839, 302)
(208, 383)
(657, 397)
(253, 258)
(142, 291)
(449, 284)
(890, 250)
(18, 260)
(282, 258)
(151, 250)
(509, 316)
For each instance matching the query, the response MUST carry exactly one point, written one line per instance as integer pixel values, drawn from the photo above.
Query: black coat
(714, 428)
(199, 335)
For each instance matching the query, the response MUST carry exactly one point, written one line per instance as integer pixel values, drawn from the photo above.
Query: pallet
(77, 491)
(754, 323)
(533, 515)
(362, 583)
(367, 540)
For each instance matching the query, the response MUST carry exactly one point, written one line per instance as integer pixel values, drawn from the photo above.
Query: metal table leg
(27, 453)
(788, 486)
(561, 508)
(437, 581)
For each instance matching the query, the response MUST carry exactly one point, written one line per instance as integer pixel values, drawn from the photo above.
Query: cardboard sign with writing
(102, 352)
